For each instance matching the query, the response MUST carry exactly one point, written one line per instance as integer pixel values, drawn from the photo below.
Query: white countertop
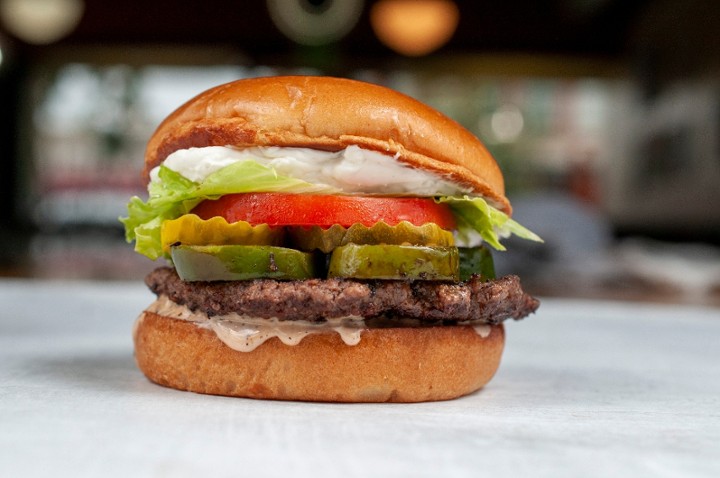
(585, 389)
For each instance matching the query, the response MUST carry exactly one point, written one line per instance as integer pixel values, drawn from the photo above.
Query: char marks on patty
(472, 301)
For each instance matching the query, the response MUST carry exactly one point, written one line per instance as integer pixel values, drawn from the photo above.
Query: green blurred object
(478, 261)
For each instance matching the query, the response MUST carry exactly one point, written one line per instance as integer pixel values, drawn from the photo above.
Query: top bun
(330, 114)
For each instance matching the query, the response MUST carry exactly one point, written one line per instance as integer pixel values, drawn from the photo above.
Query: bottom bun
(388, 365)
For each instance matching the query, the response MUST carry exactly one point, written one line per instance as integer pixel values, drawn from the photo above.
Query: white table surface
(585, 389)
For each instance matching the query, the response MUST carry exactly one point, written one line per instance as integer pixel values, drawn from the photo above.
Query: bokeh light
(414, 27)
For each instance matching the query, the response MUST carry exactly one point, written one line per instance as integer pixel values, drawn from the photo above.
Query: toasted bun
(388, 365)
(330, 114)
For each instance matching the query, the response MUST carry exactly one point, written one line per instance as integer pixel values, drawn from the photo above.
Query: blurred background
(603, 114)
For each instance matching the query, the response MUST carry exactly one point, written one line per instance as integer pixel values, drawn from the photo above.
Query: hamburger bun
(330, 114)
(388, 365)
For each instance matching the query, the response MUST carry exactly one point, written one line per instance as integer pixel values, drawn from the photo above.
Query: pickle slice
(190, 229)
(215, 263)
(325, 240)
(395, 262)
(476, 260)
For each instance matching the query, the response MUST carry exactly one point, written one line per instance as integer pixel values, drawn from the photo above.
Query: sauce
(245, 334)
(353, 170)
(483, 330)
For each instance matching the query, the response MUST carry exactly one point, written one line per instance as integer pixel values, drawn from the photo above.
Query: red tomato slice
(276, 209)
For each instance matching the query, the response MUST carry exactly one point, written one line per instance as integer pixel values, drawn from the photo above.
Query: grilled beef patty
(472, 301)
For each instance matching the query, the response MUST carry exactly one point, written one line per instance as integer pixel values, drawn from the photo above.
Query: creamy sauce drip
(483, 330)
(244, 333)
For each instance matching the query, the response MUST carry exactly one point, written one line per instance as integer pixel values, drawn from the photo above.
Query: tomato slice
(278, 209)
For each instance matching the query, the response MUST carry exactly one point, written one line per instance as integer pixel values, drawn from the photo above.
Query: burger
(323, 239)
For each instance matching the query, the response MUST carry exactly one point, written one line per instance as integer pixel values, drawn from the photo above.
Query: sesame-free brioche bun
(387, 365)
(330, 114)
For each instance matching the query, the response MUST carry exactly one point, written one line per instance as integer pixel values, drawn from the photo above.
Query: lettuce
(172, 195)
(475, 216)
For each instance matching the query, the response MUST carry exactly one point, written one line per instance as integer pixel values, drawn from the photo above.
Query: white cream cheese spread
(353, 170)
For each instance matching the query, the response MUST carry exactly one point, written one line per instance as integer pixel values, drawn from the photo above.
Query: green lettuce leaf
(173, 195)
(475, 216)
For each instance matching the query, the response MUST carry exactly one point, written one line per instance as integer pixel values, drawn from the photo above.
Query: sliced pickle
(325, 240)
(192, 230)
(476, 260)
(215, 263)
(395, 262)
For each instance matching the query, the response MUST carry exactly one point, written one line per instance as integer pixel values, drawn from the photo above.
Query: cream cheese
(353, 170)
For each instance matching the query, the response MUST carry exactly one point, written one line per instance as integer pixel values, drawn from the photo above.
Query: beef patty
(385, 301)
